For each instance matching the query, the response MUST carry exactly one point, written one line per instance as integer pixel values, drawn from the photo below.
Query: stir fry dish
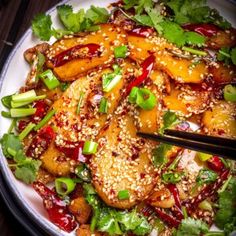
(139, 66)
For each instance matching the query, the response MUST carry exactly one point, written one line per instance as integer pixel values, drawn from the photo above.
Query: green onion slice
(143, 97)
(83, 173)
(230, 93)
(49, 79)
(194, 51)
(22, 112)
(45, 120)
(6, 101)
(21, 104)
(90, 147)
(6, 114)
(64, 186)
(120, 52)
(80, 102)
(123, 194)
(24, 97)
(203, 156)
(26, 131)
(110, 80)
(103, 107)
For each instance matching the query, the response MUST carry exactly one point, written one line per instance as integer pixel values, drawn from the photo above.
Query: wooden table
(16, 16)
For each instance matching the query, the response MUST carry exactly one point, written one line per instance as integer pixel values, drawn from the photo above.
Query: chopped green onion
(6, 114)
(185, 213)
(225, 185)
(11, 151)
(24, 97)
(49, 79)
(194, 51)
(203, 156)
(174, 164)
(120, 52)
(103, 107)
(205, 205)
(64, 186)
(81, 98)
(21, 104)
(22, 112)
(45, 120)
(143, 97)
(64, 86)
(90, 147)
(13, 124)
(224, 53)
(26, 131)
(123, 194)
(83, 172)
(133, 95)
(172, 177)
(230, 93)
(110, 80)
(6, 101)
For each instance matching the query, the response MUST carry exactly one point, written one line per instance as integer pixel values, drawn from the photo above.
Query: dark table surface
(15, 16)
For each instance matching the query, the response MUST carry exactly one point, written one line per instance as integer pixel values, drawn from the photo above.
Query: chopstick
(222, 147)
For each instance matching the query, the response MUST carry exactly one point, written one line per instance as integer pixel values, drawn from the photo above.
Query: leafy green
(112, 221)
(196, 11)
(10, 141)
(227, 55)
(169, 119)
(42, 26)
(25, 168)
(225, 217)
(191, 227)
(159, 154)
(206, 176)
(97, 15)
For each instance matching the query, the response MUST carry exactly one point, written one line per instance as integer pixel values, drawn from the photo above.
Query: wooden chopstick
(201, 146)
(201, 137)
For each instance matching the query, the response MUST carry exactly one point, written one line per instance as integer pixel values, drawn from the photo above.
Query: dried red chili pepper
(56, 208)
(207, 30)
(147, 67)
(208, 191)
(73, 53)
(41, 110)
(141, 31)
(215, 164)
(175, 192)
(168, 219)
(41, 142)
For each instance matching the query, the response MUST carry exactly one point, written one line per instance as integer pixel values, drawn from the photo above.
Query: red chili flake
(56, 208)
(41, 142)
(147, 210)
(22, 124)
(147, 67)
(41, 111)
(73, 53)
(142, 175)
(142, 31)
(207, 30)
(215, 164)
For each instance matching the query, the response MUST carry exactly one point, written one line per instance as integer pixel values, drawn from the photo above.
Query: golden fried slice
(187, 100)
(123, 162)
(179, 69)
(108, 37)
(220, 120)
(71, 127)
(223, 39)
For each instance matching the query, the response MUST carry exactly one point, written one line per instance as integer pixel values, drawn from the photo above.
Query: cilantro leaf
(10, 141)
(70, 20)
(192, 227)
(206, 176)
(159, 154)
(193, 38)
(225, 217)
(227, 55)
(42, 26)
(156, 18)
(169, 119)
(97, 15)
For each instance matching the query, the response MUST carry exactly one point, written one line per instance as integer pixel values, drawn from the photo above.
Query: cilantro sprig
(25, 168)
(73, 21)
(112, 221)
(227, 55)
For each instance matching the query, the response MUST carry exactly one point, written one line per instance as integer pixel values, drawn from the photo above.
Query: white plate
(13, 77)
